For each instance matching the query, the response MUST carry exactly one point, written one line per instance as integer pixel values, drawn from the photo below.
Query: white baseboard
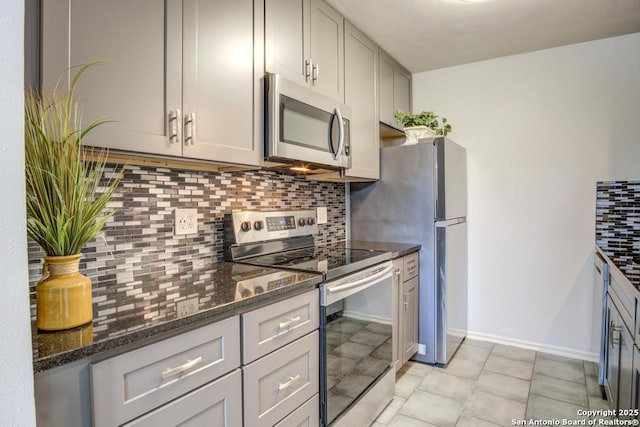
(543, 348)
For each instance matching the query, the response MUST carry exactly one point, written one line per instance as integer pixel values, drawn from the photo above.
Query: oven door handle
(349, 285)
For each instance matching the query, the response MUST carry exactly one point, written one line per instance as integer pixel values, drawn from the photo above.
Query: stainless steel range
(356, 378)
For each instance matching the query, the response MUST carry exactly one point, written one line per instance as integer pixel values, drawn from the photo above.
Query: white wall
(540, 129)
(16, 392)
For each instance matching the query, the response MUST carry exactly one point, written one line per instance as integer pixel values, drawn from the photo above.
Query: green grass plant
(66, 191)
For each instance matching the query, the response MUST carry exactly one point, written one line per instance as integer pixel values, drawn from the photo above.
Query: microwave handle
(340, 134)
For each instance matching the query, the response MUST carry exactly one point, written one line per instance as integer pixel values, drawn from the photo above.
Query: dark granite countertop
(396, 249)
(223, 289)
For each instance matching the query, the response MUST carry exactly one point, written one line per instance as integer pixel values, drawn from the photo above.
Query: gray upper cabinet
(180, 78)
(361, 76)
(394, 88)
(304, 43)
(132, 87)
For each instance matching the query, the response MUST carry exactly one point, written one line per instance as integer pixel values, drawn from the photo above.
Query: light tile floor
(489, 384)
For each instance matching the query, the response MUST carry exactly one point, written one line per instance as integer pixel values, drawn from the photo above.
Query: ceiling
(429, 34)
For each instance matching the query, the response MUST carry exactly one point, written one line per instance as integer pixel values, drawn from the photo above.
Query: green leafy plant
(425, 118)
(66, 200)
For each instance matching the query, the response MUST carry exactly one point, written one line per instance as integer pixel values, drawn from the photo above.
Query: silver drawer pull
(288, 384)
(180, 369)
(289, 322)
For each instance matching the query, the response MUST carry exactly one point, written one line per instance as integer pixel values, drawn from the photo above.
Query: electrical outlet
(322, 215)
(422, 349)
(198, 264)
(187, 307)
(185, 221)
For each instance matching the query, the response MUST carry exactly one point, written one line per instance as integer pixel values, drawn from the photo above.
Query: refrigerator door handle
(449, 222)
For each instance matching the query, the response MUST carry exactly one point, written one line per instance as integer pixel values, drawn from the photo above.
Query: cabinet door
(220, 81)
(410, 319)
(287, 39)
(361, 65)
(385, 89)
(402, 90)
(626, 369)
(327, 50)
(216, 404)
(613, 354)
(398, 312)
(140, 80)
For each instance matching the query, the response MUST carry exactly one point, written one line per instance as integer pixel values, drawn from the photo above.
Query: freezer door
(451, 287)
(450, 171)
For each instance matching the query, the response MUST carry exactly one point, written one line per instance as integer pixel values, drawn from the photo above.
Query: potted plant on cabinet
(66, 199)
(422, 125)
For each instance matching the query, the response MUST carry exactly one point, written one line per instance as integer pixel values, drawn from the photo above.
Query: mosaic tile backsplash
(139, 244)
(618, 225)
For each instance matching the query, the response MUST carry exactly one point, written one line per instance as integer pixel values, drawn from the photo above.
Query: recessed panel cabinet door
(410, 321)
(287, 39)
(361, 66)
(219, 81)
(386, 90)
(327, 50)
(140, 80)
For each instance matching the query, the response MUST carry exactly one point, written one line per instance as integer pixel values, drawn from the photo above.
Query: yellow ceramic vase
(63, 296)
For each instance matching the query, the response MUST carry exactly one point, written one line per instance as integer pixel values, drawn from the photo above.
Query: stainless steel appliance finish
(304, 126)
(602, 282)
(422, 198)
(356, 304)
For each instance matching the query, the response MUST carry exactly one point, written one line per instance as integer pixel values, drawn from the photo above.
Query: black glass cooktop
(331, 260)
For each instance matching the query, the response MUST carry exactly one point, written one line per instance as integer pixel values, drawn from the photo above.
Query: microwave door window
(304, 125)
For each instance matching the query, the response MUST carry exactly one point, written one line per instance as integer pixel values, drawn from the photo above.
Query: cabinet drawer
(216, 404)
(269, 328)
(280, 382)
(411, 266)
(126, 386)
(308, 415)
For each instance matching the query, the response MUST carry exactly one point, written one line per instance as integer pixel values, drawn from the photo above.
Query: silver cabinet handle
(405, 300)
(190, 129)
(182, 368)
(174, 126)
(307, 73)
(289, 322)
(288, 383)
(615, 340)
(314, 73)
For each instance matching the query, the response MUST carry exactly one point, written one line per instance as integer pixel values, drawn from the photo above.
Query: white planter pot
(415, 133)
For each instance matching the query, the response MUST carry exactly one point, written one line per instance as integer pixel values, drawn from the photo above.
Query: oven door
(304, 126)
(356, 321)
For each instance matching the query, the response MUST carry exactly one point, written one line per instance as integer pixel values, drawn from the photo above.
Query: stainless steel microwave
(303, 126)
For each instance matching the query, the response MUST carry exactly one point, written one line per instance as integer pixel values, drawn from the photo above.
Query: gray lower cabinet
(394, 88)
(269, 328)
(216, 404)
(361, 77)
(281, 366)
(180, 78)
(304, 43)
(280, 382)
(127, 386)
(307, 415)
(620, 375)
(406, 285)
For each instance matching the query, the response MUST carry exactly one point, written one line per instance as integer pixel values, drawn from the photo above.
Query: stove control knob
(258, 225)
(245, 226)
(302, 222)
(311, 220)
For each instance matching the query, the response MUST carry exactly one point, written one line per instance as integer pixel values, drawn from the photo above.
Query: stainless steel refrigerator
(421, 197)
